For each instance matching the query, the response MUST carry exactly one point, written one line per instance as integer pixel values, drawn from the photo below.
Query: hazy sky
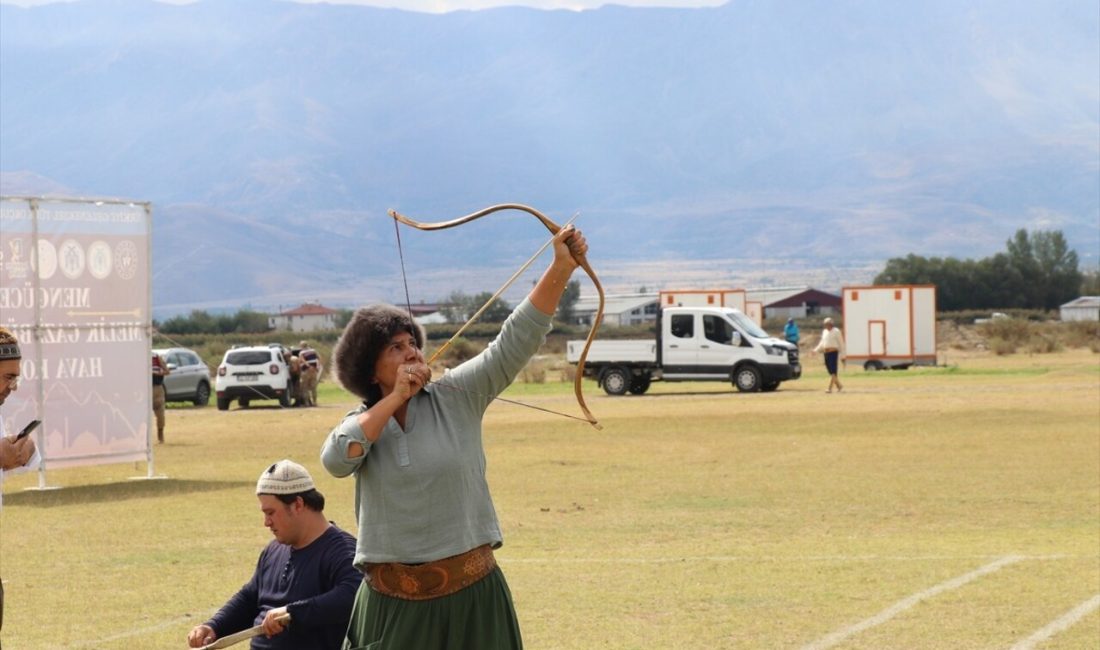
(442, 6)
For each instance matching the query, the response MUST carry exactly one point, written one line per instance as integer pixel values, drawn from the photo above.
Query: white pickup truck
(692, 344)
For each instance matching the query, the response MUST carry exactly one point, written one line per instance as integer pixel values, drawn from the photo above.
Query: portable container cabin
(733, 298)
(755, 310)
(892, 326)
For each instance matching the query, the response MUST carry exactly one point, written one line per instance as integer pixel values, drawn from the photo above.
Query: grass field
(949, 507)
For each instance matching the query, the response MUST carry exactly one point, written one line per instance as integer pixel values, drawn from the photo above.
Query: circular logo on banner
(45, 259)
(70, 256)
(99, 259)
(126, 259)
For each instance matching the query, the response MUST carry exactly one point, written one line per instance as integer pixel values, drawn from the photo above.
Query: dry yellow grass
(698, 518)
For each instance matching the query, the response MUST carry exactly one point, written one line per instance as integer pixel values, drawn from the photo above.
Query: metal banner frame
(76, 289)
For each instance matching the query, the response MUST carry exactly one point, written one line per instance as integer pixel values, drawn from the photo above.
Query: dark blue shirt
(316, 583)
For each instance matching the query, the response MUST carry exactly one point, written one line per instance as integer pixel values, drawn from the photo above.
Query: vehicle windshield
(248, 357)
(747, 325)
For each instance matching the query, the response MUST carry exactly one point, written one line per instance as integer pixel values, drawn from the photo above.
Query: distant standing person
(832, 344)
(295, 369)
(790, 331)
(311, 358)
(160, 393)
(307, 396)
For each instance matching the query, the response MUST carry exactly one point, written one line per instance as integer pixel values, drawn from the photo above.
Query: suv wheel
(202, 394)
(223, 404)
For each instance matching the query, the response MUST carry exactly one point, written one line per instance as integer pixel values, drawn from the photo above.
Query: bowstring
(404, 277)
(440, 382)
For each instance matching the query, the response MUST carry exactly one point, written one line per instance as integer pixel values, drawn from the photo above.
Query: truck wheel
(747, 379)
(615, 381)
(202, 394)
(872, 365)
(639, 385)
(223, 404)
(243, 403)
(770, 386)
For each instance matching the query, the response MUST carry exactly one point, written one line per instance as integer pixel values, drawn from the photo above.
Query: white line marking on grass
(139, 632)
(890, 612)
(1061, 624)
(773, 559)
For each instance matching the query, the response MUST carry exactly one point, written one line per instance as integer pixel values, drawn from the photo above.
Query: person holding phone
(17, 453)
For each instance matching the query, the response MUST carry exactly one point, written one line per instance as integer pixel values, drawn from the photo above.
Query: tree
(1037, 271)
(462, 307)
(251, 321)
(568, 302)
(1090, 283)
(1058, 267)
(496, 313)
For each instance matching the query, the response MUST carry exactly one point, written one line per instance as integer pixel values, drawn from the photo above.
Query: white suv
(251, 373)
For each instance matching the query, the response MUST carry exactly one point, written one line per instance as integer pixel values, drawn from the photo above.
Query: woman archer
(427, 525)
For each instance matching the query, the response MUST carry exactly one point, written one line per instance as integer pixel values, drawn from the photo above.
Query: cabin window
(683, 326)
(718, 330)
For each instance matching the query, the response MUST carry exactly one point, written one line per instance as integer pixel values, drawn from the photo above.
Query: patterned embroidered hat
(9, 346)
(284, 477)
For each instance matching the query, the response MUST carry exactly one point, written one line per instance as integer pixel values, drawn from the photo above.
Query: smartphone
(31, 426)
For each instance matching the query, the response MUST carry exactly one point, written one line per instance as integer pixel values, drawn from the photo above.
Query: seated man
(306, 572)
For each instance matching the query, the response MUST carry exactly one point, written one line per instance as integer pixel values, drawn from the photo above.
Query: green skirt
(480, 616)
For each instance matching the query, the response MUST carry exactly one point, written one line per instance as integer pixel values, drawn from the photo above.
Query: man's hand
(15, 453)
(272, 625)
(201, 635)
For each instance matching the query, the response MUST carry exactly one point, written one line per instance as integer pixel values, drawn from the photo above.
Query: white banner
(75, 288)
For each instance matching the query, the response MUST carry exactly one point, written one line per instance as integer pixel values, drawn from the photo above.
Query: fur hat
(284, 477)
(366, 335)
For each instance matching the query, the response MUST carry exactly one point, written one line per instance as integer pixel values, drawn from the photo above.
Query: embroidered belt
(431, 579)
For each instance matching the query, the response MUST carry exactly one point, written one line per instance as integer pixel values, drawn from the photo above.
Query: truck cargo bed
(633, 351)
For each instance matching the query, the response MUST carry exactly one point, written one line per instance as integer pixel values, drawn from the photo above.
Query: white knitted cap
(284, 477)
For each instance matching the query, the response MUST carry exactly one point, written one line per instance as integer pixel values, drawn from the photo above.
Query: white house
(309, 317)
(1083, 308)
(624, 309)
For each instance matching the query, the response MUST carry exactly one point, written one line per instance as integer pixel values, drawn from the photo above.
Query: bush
(1044, 344)
(534, 372)
(1002, 347)
(968, 316)
(569, 373)
(461, 350)
(1082, 334)
(1017, 332)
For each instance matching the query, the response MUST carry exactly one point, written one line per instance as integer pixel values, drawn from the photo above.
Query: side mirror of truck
(735, 339)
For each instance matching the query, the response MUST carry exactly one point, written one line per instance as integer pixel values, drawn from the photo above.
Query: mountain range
(755, 143)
